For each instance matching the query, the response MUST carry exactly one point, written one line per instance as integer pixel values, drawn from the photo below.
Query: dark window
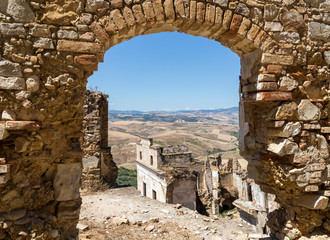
(151, 160)
(140, 155)
(154, 194)
(144, 189)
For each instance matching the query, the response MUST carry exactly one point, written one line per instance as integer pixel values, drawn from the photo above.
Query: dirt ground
(122, 213)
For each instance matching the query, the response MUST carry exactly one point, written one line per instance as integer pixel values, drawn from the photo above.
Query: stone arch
(48, 50)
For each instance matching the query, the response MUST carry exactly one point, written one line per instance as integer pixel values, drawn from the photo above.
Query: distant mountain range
(135, 112)
(229, 115)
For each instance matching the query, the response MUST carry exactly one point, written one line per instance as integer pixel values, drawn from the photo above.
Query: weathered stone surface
(273, 26)
(290, 129)
(32, 83)
(12, 29)
(319, 31)
(40, 31)
(21, 144)
(266, 78)
(292, 20)
(99, 32)
(273, 96)
(117, 3)
(307, 111)
(248, 64)
(8, 115)
(67, 34)
(222, 3)
(268, 58)
(45, 43)
(10, 69)
(19, 10)
(3, 132)
(313, 201)
(242, 9)
(327, 56)
(22, 125)
(12, 83)
(16, 214)
(286, 111)
(67, 181)
(288, 37)
(283, 147)
(270, 12)
(119, 221)
(82, 47)
(314, 3)
(94, 5)
(288, 84)
(4, 168)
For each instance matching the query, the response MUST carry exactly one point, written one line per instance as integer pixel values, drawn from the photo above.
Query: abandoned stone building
(97, 161)
(50, 48)
(162, 173)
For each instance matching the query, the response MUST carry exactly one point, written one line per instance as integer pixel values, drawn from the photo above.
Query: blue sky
(168, 72)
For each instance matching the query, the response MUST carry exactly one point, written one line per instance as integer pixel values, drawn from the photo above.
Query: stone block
(275, 69)
(10, 69)
(66, 181)
(325, 130)
(319, 31)
(242, 9)
(44, 43)
(270, 12)
(16, 214)
(273, 96)
(22, 125)
(67, 34)
(4, 178)
(327, 57)
(12, 29)
(94, 5)
(12, 83)
(260, 86)
(100, 33)
(283, 147)
(19, 10)
(68, 210)
(313, 201)
(5, 168)
(3, 132)
(268, 58)
(288, 84)
(307, 111)
(222, 3)
(288, 37)
(273, 26)
(8, 115)
(316, 167)
(82, 47)
(292, 20)
(117, 3)
(32, 83)
(40, 31)
(266, 78)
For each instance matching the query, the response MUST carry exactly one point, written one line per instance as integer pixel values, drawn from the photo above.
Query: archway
(49, 50)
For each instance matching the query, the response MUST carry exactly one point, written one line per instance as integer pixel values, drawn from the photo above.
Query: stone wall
(50, 48)
(98, 164)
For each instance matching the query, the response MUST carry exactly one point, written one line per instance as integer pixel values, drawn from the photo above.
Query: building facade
(158, 177)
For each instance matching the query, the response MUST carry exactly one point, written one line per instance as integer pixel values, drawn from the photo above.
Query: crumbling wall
(98, 165)
(50, 48)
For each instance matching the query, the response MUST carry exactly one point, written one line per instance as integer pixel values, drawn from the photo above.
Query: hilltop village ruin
(50, 48)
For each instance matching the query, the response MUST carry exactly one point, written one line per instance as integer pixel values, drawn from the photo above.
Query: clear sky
(168, 72)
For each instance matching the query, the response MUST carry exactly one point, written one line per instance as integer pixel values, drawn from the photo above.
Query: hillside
(204, 132)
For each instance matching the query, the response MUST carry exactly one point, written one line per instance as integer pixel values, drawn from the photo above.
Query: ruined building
(163, 174)
(50, 48)
(97, 161)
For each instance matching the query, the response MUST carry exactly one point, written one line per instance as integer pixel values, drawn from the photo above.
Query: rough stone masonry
(50, 48)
